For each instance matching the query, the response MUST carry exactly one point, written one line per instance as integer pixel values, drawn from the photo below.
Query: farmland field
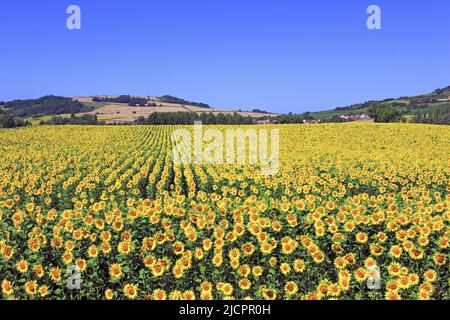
(110, 201)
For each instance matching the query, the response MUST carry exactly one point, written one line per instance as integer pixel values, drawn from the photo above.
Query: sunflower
(361, 275)
(248, 249)
(299, 265)
(416, 254)
(395, 251)
(285, 268)
(266, 248)
(124, 247)
(199, 254)
(178, 248)
(175, 295)
(43, 291)
(318, 257)
(443, 242)
(312, 296)
(7, 287)
(244, 270)
(392, 286)
(217, 260)
(39, 271)
(394, 269)
(334, 290)
(257, 271)
(426, 287)
(413, 279)
(245, 284)
(206, 295)
(109, 294)
(22, 266)
(439, 259)
(31, 287)
(67, 257)
(227, 289)
(340, 263)
(177, 272)
(92, 252)
(159, 294)
(81, 264)
(105, 247)
(234, 264)
(130, 291)
(188, 295)
(291, 288)
(269, 294)
(423, 295)
(206, 286)
(361, 237)
(390, 295)
(376, 250)
(430, 276)
(157, 269)
(55, 274)
(403, 282)
(115, 271)
(344, 284)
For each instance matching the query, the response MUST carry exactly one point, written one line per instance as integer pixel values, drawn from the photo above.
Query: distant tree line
(188, 118)
(442, 91)
(175, 100)
(85, 119)
(127, 99)
(44, 106)
(438, 117)
(294, 118)
(259, 111)
(9, 121)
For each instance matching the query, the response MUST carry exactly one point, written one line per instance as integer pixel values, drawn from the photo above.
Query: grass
(36, 121)
(95, 105)
(430, 108)
(331, 113)
(105, 118)
(407, 102)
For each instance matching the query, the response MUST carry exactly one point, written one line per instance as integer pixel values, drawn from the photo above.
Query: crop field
(110, 202)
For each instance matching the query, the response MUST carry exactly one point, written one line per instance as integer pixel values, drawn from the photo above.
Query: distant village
(311, 120)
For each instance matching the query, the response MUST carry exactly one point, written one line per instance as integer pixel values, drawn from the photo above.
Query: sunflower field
(109, 202)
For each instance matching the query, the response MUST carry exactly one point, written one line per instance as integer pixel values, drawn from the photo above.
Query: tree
(384, 113)
(10, 121)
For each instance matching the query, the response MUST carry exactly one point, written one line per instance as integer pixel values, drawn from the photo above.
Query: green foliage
(259, 111)
(172, 99)
(86, 119)
(439, 117)
(188, 118)
(10, 121)
(294, 118)
(132, 101)
(45, 106)
(383, 112)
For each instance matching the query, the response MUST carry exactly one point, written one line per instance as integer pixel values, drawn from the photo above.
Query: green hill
(438, 100)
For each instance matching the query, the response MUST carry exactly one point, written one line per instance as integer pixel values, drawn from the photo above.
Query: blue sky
(281, 55)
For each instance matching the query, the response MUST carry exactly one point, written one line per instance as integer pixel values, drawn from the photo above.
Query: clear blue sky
(281, 55)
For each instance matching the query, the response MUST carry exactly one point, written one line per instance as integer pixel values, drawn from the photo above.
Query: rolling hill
(421, 104)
